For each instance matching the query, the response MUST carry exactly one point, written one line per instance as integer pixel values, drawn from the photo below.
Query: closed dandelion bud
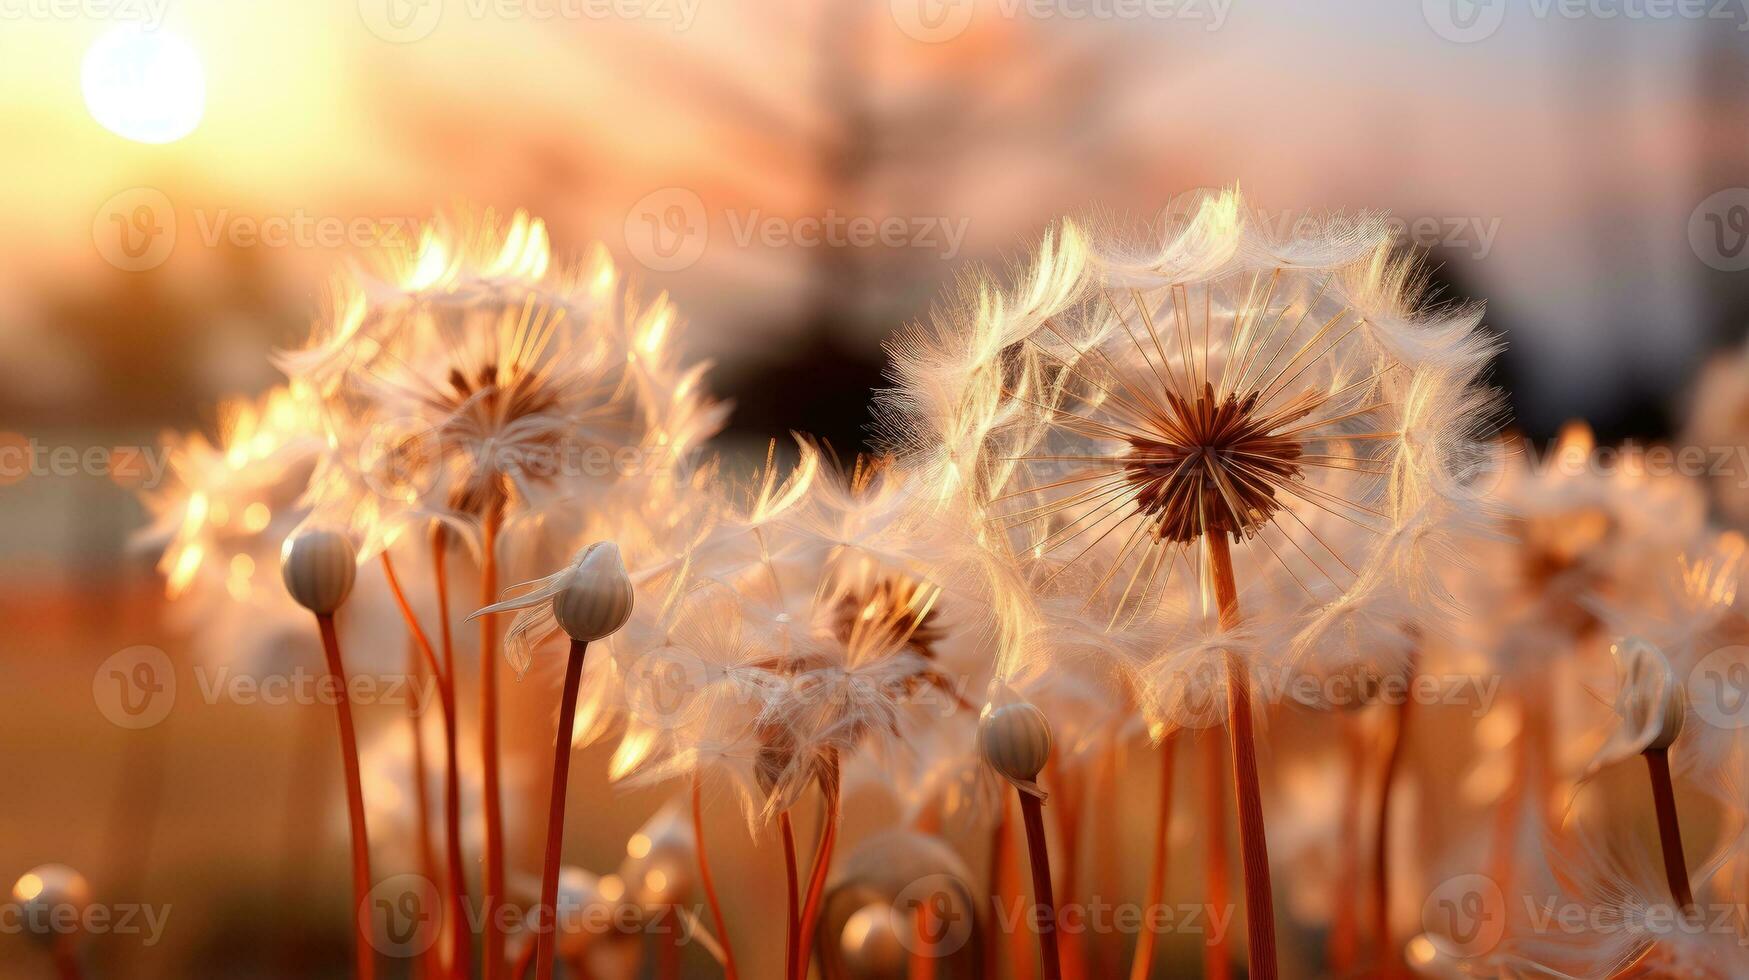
(51, 900)
(1652, 703)
(318, 566)
(597, 600)
(1015, 740)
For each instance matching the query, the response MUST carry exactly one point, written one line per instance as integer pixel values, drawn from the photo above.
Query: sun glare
(146, 85)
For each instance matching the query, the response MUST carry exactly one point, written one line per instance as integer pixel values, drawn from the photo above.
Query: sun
(146, 85)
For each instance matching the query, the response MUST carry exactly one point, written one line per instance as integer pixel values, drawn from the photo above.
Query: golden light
(639, 846)
(28, 888)
(145, 85)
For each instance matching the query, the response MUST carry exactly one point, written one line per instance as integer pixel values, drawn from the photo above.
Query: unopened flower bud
(1015, 740)
(597, 600)
(318, 566)
(1652, 703)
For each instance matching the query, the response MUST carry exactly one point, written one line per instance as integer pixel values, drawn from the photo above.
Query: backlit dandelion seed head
(1215, 382)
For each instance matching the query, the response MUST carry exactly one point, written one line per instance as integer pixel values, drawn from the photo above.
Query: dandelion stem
(494, 868)
(461, 952)
(1005, 888)
(829, 786)
(792, 940)
(546, 927)
(704, 877)
(1032, 811)
(1253, 845)
(1343, 946)
(1669, 831)
(1144, 961)
(1216, 958)
(1390, 958)
(364, 967)
(65, 953)
(421, 793)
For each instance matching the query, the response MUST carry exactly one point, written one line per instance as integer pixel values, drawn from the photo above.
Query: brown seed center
(1213, 466)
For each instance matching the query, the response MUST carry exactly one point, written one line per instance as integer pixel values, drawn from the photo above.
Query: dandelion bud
(1652, 703)
(1015, 740)
(51, 900)
(597, 600)
(318, 566)
(871, 945)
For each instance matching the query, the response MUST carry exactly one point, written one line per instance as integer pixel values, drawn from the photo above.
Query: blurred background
(183, 177)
